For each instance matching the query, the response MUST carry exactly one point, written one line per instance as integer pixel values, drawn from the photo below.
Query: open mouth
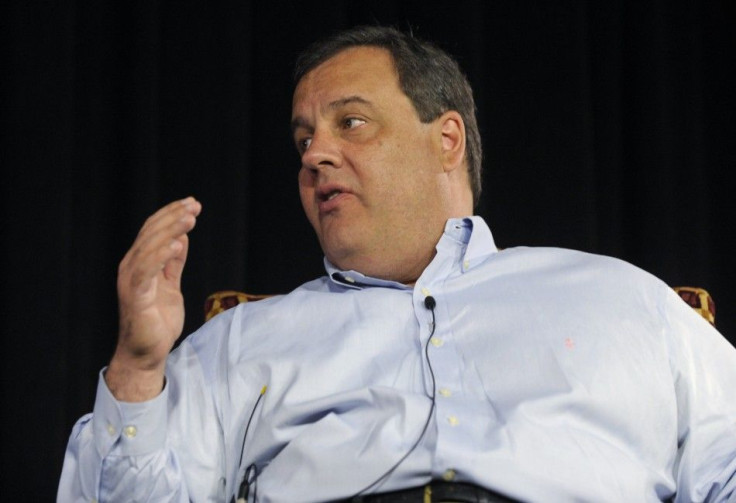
(330, 192)
(331, 195)
(329, 198)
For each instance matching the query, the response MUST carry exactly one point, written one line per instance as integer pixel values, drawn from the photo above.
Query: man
(426, 363)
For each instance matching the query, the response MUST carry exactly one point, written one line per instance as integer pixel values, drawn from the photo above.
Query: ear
(452, 129)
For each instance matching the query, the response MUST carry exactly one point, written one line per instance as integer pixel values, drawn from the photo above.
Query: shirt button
(436, 342)
(466, 264)
(111, 429)
(130, 431)
(453, 420)
(425, 292)
(449, 475)
(445, 392)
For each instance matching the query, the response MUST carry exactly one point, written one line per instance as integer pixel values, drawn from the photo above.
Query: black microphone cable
(430, 304)
(252, 469)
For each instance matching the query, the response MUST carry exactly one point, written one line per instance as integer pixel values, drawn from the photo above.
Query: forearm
(87, 476)
(170, 446)
(126, 447)
(121, 450)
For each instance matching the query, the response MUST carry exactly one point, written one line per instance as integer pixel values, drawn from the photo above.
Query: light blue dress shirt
(557, 375)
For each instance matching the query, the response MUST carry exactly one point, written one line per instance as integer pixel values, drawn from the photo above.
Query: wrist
(129, 382)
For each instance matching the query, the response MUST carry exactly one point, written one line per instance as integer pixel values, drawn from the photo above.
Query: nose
(323, 152)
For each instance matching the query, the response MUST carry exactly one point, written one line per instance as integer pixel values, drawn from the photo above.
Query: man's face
(371, 181)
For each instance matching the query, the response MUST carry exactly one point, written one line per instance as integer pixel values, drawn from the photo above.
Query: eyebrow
(350, 99)
(298, 122)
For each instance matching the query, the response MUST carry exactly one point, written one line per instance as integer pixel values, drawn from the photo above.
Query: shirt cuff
(127, 428)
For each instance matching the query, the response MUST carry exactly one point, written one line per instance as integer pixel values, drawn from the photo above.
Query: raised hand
(150, 301)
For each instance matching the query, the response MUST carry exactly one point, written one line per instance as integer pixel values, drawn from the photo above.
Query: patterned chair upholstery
(700, 300)
(697, 298)
(225, 299)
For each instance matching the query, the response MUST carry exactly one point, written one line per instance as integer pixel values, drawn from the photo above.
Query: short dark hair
(429, 77)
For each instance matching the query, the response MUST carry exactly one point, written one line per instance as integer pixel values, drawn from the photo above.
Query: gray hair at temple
(430, 77)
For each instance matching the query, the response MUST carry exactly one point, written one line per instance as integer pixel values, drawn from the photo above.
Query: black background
(607, 126)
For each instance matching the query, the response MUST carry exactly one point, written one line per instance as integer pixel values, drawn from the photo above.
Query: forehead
(361, 71)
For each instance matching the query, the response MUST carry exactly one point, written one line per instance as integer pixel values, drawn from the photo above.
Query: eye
(352, 122)
(303, 144)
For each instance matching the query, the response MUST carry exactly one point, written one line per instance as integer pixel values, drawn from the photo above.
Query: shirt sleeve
(168, 449)
(120, 449)
(704, 372)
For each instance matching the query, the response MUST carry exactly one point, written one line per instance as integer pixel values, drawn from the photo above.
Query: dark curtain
(607, 126)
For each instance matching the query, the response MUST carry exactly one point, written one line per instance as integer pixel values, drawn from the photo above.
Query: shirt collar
(471, 232)
(358, 280)
(478, 238)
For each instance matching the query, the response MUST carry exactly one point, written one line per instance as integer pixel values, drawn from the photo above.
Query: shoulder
(220, 336)
(269, 311)
(582, 284)
(568, 265)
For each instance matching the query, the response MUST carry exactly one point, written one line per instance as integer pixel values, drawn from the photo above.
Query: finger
(163, 233)
(141, 265)
(169, 214)
(174, 267)
(166, 225)
(159, 244)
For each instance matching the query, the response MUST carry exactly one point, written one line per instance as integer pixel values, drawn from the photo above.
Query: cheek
(306, 184)
(306, 194)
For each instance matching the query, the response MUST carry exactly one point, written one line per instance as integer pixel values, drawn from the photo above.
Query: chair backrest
(223, 300)
(217, 302)
(700, 300)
